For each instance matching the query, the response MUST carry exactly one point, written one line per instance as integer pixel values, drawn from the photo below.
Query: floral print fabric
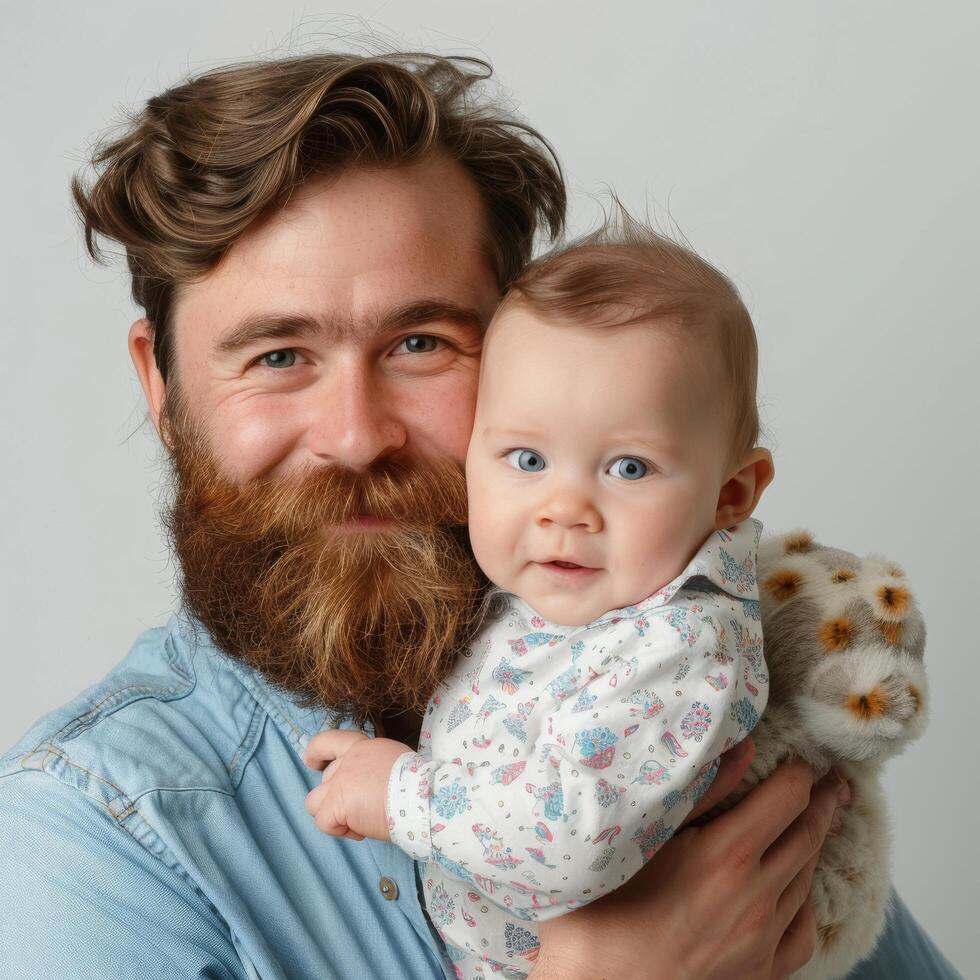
(555, 761)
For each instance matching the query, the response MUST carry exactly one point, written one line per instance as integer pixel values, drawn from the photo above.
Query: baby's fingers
(324, 747)
(330, 821)
(315, 797)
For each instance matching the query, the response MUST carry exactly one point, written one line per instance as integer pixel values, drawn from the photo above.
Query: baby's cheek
(485, 549)
(493, 537)
(652, 558)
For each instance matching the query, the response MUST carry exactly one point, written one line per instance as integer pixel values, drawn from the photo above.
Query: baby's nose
(569, 510)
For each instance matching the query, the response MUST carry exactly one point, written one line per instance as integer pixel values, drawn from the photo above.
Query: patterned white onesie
(554, 761)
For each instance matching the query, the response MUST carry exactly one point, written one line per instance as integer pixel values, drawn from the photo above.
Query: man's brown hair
(626, 273)
(203, 160)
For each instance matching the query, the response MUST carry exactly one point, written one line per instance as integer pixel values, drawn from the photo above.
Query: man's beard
(364, 623)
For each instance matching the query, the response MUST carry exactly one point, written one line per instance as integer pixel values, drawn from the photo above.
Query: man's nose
(569, 509)
(355, 422)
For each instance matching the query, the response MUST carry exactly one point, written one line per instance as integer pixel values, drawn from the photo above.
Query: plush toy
(843, 645)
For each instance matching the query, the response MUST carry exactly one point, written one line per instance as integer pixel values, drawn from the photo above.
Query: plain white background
(824, 155)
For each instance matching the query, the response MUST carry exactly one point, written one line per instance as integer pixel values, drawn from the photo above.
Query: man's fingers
(767, 811)
(795, 894)
(324, 747)
(803, 839)
(798, 944)
(734, 764)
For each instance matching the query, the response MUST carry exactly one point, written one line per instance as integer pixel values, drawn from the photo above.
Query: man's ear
(145, 362)
(744, 487)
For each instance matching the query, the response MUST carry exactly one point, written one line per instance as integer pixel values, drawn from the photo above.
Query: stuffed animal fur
(843, 645)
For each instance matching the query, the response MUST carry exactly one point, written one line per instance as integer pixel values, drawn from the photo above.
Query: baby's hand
(351, 800)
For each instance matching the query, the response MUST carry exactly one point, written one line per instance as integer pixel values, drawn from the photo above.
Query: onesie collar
(728, 559)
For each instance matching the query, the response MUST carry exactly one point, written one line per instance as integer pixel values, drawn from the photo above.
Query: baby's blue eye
(629, 468)
(279, 358)
(526, 459)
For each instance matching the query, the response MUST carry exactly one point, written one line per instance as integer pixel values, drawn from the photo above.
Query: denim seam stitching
(80, 722)
(248, 744)
(295, 733)
(111, 805)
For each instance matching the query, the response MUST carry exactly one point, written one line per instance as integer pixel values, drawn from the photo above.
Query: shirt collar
(728, 559)
(192, 640)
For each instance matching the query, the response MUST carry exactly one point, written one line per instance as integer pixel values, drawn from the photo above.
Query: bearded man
(318, 244)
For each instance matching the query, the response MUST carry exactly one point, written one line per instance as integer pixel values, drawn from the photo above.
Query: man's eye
(629, 468)
(279, 358)
(421, 343)
(526, 459)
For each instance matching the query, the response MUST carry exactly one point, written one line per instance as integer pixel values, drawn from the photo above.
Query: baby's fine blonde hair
(626, 273)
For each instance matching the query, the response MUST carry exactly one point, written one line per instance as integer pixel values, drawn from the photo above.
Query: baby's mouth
(567, 569)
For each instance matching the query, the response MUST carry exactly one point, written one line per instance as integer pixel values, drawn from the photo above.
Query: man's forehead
(428, 199)
(352, 253)
(344, 229)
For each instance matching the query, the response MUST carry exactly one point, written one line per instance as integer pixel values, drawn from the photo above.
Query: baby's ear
(742, 490)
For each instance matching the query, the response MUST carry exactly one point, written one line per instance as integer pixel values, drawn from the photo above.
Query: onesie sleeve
(613, 760)
(408, 804)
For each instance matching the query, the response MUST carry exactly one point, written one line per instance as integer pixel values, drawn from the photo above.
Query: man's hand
(351, 800)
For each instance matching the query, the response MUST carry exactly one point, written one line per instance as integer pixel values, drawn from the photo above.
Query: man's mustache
(301, 506)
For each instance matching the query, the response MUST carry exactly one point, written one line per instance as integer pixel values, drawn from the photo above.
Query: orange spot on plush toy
(798, 541)
(783, 584)
(890, 632)
(836, 634)
(893, 600)
(871, 705)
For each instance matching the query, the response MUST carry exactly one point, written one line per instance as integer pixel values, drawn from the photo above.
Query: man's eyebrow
(431, 311)
(278, 326)
(265, 326)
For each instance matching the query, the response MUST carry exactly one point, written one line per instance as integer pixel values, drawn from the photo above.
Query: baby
(612, 472)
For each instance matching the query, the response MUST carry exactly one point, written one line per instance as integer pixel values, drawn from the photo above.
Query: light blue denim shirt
(154, 827)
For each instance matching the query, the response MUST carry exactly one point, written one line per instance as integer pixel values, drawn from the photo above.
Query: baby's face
(595, 464)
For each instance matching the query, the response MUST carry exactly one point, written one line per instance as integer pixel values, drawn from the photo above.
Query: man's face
(326, 377)
(344, 329)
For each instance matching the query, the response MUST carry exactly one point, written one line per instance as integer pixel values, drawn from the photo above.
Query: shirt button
(389, 890)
